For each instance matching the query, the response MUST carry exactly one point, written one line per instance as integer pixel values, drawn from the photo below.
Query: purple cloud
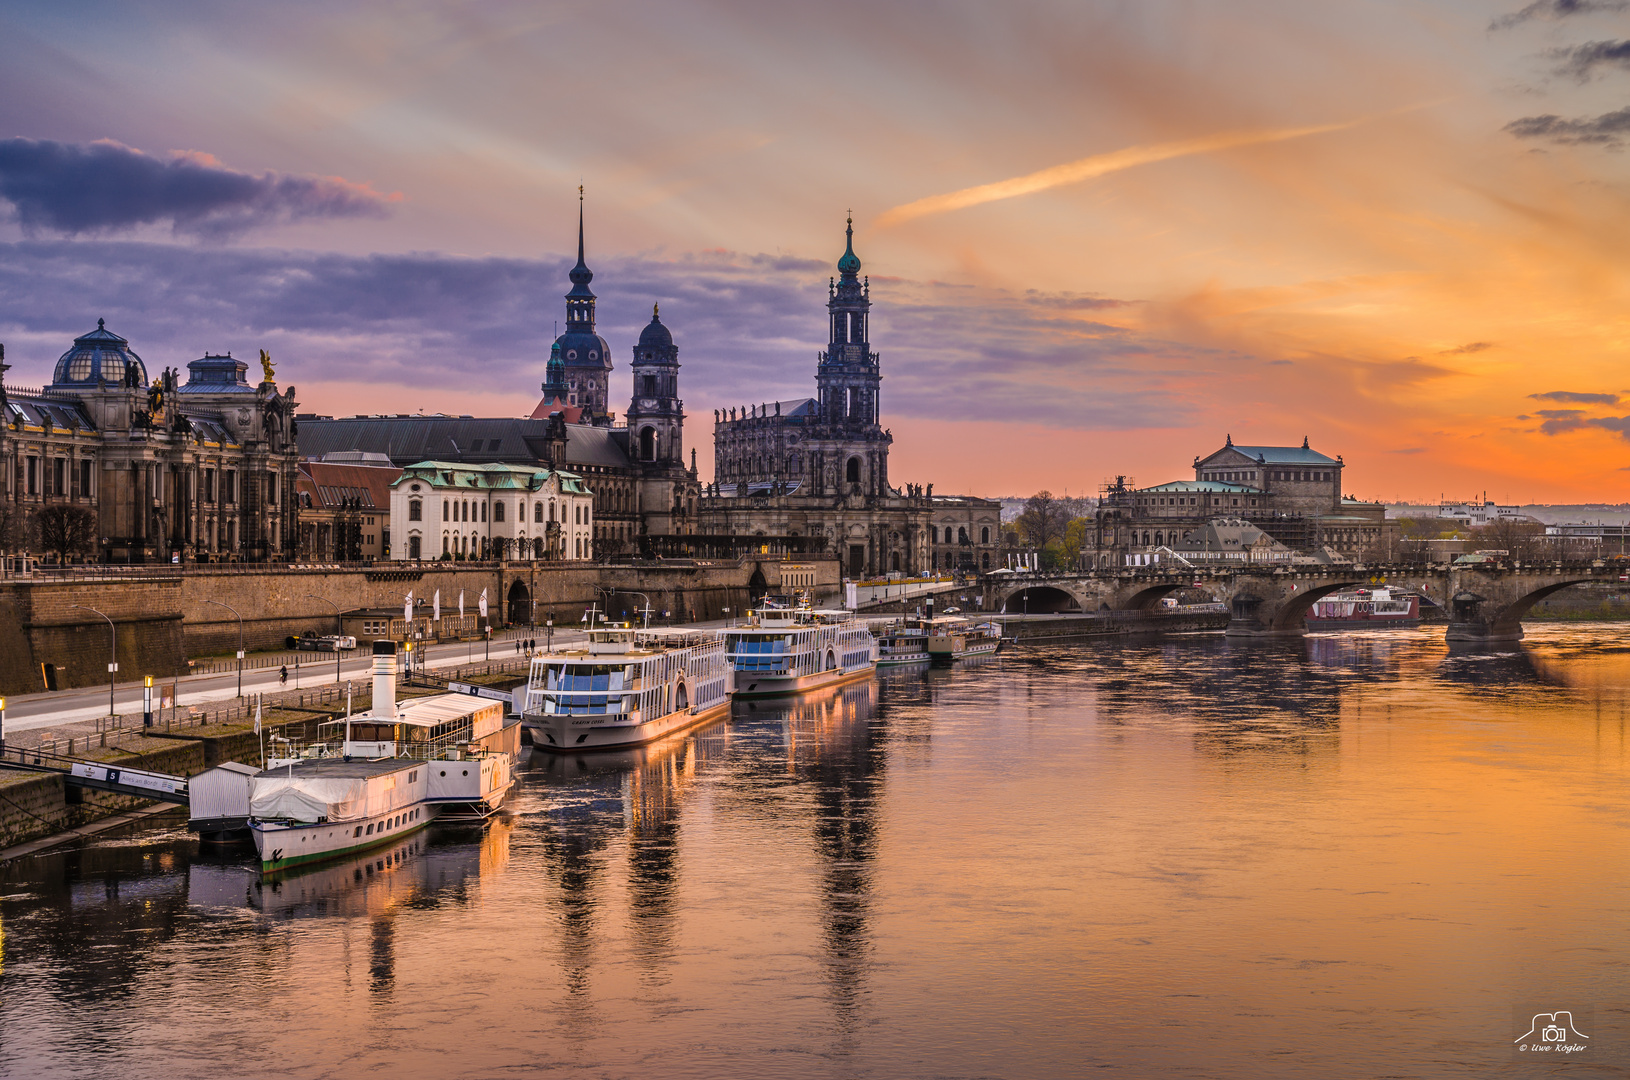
(1569, 397)
(105, 186)
(748, 328)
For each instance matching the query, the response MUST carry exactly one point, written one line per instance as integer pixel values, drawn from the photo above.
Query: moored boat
(397, 769)
(787, 650)
(625, 687)
(1371, 609)
(951, 637)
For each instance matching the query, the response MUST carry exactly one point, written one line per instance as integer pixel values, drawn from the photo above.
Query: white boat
(625, 687)
(951, 637)
(399, 767)
(914, 639)
(787, 650)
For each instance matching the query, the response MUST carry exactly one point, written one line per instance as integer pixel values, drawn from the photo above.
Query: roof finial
(101, 324)
(580, 225)
(654, 311)
(1304, 442)
(1230, 440)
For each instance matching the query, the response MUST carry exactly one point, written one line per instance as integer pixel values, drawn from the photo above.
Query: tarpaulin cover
(307, 798)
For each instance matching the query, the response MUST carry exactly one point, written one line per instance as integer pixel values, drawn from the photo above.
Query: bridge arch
(1040, 600)
(1475, 617)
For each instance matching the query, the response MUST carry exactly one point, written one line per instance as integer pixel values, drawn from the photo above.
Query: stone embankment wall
(39, 623)
(165, 620)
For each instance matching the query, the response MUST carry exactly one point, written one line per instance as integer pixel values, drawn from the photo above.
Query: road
(26, 712)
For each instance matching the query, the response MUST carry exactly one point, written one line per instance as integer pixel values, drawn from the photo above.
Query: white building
(1480, 513)
(490, 512)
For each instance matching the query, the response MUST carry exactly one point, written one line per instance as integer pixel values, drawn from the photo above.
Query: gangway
(99, 775)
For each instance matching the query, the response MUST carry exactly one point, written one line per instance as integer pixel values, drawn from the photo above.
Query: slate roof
(64, 413)
(791, 409)
(466, 440)
(1280, 455)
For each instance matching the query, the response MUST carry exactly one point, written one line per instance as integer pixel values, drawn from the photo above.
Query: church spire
(849, 264)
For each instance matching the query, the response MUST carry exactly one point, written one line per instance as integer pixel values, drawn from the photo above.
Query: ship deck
(341, 769)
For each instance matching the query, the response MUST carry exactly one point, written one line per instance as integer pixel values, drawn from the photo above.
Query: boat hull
(758, 684)
(281, 845)
(565, 733)
(1377, 622)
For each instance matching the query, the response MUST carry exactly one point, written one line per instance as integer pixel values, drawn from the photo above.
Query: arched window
(933, 534)
(537, 512)
(984, 535)
(1158, 539)
(444, 543)
(444, 510)
(483, 511)
(852, 470)
(498, 511)
(551, 509)
(415, 510)
(648, 443)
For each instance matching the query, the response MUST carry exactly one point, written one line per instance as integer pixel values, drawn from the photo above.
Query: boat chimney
(385, 679)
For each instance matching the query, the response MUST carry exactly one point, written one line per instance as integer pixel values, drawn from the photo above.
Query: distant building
(491, 512)
(1292, 494)
(964, 533)
(345, 506)
(1480, 513)
(204, 469)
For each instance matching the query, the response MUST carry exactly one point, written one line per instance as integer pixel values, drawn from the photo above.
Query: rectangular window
(271, 489)
(33, 476)
(85, 478)
(498, 511)
(59, 476)
(415, 510)
(229, 486)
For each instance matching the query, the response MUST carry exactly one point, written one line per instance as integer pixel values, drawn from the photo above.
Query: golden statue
(266, 364)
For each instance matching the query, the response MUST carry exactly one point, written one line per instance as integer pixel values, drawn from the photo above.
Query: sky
(1102, 237)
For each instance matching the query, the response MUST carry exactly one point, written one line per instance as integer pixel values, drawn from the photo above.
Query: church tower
(583, 353)
(656, 416)
(849, 381)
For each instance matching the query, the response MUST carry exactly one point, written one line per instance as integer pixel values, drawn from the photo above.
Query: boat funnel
(385, 679)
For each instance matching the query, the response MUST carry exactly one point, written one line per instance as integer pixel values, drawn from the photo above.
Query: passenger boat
(914, 639)
(1371, 609)
(951, 637)
(625, 687)
(399, 767)
(787, 650)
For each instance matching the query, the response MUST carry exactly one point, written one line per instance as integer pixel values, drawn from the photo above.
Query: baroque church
(818, 467)
(635, 470)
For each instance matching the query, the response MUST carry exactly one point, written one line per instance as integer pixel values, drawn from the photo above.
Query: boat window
(370, 829)
(760, 655)
(359, 830)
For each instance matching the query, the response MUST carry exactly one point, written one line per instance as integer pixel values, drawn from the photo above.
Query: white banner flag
(482, 603)
(407, 609)
(461, 603)
(437, 615)
(257, 716)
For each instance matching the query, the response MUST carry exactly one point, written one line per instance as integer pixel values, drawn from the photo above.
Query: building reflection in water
(832, 747)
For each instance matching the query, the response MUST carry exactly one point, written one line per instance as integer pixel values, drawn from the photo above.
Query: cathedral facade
(818, 467)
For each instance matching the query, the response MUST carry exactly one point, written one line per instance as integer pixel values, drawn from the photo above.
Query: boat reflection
(420, 869)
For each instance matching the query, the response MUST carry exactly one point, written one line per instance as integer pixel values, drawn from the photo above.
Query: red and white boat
(1369, 609)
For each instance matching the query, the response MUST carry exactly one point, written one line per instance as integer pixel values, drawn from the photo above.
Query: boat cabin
(425, 728)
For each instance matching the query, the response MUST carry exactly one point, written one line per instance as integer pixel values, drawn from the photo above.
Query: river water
(1342, 856)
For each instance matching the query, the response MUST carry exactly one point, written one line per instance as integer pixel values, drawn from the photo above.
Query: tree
(1519, 539)
(65, 530)
(1043, 520)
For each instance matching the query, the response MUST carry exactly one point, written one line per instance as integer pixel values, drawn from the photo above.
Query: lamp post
(489, 641)
(234, 611)
(339, 630)
(2, 727)
(549, 644)
(113, 653)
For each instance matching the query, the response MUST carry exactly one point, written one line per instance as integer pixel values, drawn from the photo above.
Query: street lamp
(489, 641)
(234, 611)
(339, 630)
(113, 654)
(549, 645)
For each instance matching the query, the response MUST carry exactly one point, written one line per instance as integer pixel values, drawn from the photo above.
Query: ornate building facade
(204, 469)
(1291, 493)
(818, 467)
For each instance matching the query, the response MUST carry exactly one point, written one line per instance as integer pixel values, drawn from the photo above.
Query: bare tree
(65, 530)
(1519, 539)
(1043, 520)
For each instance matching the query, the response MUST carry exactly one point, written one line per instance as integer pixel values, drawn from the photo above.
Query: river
(1342, 856)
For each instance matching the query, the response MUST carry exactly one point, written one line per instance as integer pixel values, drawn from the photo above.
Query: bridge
(1484, 601)
(98, 775)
